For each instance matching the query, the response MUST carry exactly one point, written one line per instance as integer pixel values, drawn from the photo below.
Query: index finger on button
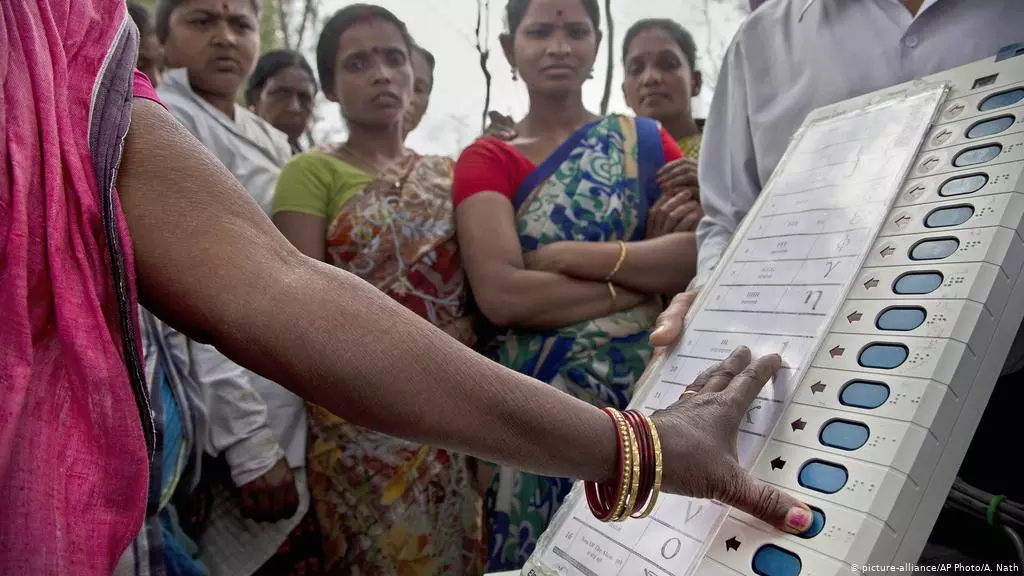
(745, 387)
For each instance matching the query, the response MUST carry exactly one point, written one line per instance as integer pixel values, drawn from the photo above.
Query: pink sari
(75, 422)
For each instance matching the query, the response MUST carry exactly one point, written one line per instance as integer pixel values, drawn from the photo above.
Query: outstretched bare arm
(213, 265)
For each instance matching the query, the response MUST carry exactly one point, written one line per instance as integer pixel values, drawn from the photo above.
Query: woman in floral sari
(568, 243)
(374, 208)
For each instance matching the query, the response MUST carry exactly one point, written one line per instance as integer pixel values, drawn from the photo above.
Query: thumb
(669, 325)
(768, 503)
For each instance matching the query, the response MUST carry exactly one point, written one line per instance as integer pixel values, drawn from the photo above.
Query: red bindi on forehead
(225, 8)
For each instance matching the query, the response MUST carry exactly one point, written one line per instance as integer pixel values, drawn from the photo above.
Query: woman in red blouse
(568, 243)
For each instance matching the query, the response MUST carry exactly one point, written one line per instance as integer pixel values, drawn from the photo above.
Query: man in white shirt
(792, 56)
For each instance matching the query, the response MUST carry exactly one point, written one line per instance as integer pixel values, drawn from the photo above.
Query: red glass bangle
(602, 497)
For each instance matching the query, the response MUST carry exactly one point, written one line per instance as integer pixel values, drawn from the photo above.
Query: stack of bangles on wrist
(634, 492)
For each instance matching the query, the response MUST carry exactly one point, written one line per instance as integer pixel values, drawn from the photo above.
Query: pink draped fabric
(73, 453)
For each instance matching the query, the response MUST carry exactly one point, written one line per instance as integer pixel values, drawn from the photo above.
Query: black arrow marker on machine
(817, 387)
(778, 463)
(798, 424)
(732, 544)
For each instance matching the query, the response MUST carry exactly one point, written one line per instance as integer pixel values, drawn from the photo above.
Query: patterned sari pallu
(387, 506)
(596, 187)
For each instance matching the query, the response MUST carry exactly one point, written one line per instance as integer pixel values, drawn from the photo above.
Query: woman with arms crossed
(561, 234)
(660, 61)
(203, 256)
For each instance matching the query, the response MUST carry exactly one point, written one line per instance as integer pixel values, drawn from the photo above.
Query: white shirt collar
(924, 6)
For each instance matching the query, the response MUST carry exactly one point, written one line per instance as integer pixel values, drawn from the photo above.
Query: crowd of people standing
(356, 358)
(478, 245)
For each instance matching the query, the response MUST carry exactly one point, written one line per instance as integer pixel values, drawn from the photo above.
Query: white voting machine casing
(882, 261)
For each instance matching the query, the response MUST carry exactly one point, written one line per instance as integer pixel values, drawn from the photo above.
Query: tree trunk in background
(483, 32)
(610, 70)
(270, 35)
(310, 14)
(282, 21)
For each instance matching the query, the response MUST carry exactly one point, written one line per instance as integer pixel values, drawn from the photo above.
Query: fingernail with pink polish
(798, 519)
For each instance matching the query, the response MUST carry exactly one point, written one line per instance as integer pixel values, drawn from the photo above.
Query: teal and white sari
(596, 187)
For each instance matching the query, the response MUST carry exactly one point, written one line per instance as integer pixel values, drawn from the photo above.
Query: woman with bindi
(211, 48)
(565, 243)
(382, 212)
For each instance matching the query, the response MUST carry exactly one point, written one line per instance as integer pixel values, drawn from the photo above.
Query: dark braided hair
(670, 27)
(268, 66)
(515, 11)
(330, 38)
(163, 15)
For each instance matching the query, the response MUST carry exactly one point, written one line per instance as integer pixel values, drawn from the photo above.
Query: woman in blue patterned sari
(571, 233)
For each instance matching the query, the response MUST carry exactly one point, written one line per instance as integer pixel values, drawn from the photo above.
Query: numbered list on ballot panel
(784, 281)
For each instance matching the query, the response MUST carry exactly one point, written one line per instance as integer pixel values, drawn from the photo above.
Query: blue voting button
(949, 216)
(770, 560)
(884, 356)
(991, 127)
(935, 249)
(967, 184)
(864, 394)
(823, 476)
(817, 524)
(977, 155)
(901, 318)
(1002, 99)
(844, 435)
(918, 283)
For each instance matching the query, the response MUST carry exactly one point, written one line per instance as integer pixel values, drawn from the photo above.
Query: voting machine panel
(883, 262)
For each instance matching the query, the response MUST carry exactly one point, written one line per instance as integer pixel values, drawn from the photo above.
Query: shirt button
(911, 41)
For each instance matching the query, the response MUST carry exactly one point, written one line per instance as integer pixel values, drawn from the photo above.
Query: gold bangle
(622, 258)
(611, 292)
(627, 466)
(634, 475)
(657, 469)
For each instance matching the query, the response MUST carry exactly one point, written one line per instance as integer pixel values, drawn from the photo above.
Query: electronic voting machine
(883, 262)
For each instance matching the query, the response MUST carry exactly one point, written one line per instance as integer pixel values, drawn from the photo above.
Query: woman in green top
(383, 212)
(660, 60)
